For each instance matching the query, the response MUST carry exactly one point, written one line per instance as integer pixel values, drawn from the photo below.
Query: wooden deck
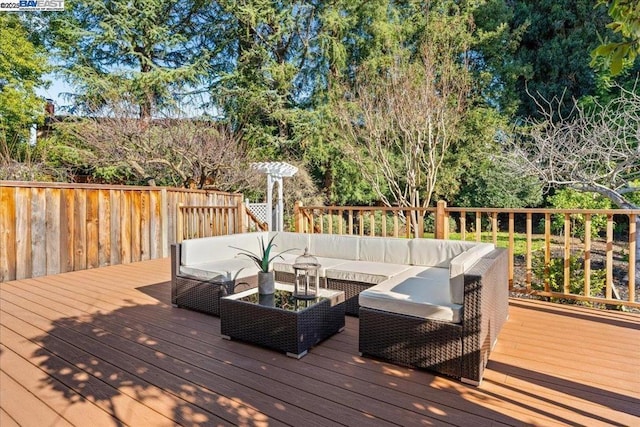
(104, 347)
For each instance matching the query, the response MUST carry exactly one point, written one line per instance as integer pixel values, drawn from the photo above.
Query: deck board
(105, 344)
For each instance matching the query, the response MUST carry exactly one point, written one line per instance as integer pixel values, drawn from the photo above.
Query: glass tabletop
(283, 298)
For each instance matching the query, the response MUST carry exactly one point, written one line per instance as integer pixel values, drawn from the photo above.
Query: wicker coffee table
(280, 321)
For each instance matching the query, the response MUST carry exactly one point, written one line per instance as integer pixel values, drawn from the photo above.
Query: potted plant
(263, 259)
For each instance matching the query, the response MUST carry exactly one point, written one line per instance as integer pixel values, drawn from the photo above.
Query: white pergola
(275, 171)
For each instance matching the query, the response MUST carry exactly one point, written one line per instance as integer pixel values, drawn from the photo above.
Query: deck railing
(529, 235)
(205, 221)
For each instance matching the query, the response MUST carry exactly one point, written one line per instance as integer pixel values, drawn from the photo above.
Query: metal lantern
(307, 278)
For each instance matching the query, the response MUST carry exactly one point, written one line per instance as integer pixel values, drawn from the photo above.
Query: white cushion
(293, 243)
(436, 253)
(206, 249)
(334, 246)
(286, 265)
(365, 271)
(462, 263)
(227, 269)
(384, 249)
(423, 297)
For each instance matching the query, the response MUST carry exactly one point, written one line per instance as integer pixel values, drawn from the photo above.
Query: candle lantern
(307, 277)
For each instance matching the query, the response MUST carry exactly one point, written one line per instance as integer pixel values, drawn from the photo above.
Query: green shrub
(571, 199)
(430, 225)
(553, 272)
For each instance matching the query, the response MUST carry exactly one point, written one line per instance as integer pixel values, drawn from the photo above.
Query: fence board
(529, 251)
(125, 227)
(104, 231)
(145, 233)
(633, 242)
(587, 255)
(80, 230)
(547, 250)
(92, 240)
(23, 234)
(56, 232)
(116, 223)
(67, 229)
(7, 234)
(164, 237)
(567, 253)
(134, 227)
(38, 232)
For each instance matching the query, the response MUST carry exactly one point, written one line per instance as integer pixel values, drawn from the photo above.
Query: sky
(55, 91)
(58, 87)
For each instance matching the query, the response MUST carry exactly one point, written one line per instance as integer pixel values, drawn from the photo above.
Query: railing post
(297, 217)
(441, 219)
(633, 245)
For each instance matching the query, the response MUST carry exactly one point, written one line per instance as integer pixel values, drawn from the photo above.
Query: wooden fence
(501, 226)
(48, 228)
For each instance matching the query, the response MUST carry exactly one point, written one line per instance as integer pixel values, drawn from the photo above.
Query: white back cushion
(436, 253)
(371, 249)
(293, 243)
(207, 249)
(397, 251)
(384, 249)
(334, 246)
(462, 263)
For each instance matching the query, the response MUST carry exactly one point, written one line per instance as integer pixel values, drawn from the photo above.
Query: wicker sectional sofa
(426, 303)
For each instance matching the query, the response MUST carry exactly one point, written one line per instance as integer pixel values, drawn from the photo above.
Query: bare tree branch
(181, 152)
(595, 148)
(405, 119)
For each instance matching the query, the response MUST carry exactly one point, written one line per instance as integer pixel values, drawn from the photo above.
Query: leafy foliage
(553, 273)
(22, 66)
(554, 49)
(278, 77)
(490, 183)
(571, 199)
(619, 55)
(148, 54)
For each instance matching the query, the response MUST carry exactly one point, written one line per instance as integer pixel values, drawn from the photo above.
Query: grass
(519, 240)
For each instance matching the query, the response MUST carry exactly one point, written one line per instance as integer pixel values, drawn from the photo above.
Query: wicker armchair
(460, 350)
